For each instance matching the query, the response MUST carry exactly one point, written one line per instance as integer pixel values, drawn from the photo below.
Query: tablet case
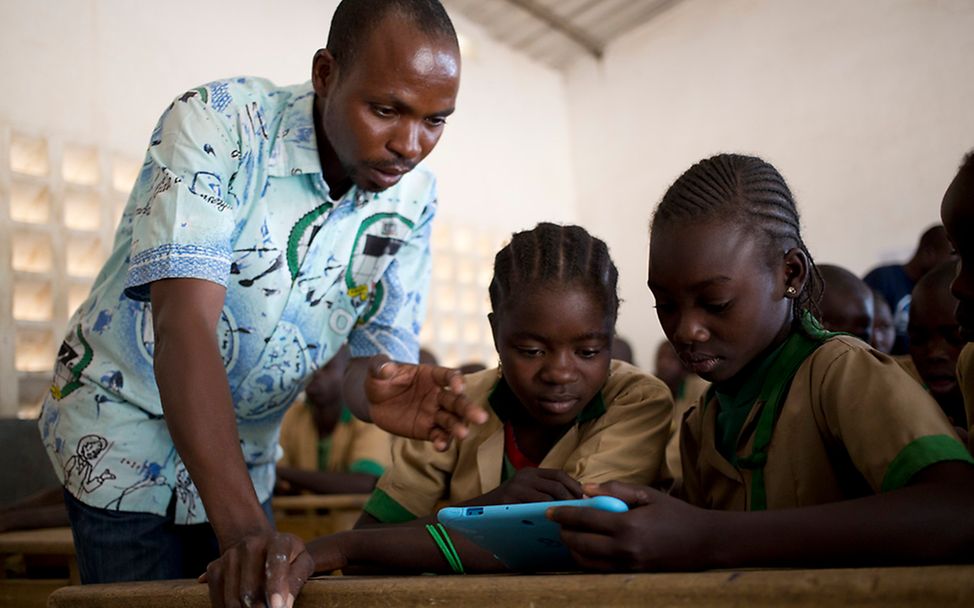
(520, 535)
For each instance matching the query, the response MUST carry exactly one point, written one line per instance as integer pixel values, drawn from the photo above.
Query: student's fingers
(554, 489)
(585, 519)
(631, 494)
(564, 479)
(590, 551)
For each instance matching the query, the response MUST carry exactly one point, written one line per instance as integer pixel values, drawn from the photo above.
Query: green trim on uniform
(507, 469)
(367, 467)
(346, 416)
(920, 454)
(385, 508)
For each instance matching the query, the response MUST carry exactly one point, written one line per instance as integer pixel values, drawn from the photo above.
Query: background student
(847, 303)
(326, 449)
(810, 449)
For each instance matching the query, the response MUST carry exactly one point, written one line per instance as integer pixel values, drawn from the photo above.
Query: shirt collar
(295, 148)
(502, 400)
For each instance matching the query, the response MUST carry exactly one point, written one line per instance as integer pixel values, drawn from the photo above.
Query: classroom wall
(102, 71)
(865, 107)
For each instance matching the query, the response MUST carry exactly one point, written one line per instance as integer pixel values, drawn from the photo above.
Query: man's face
(382, 114)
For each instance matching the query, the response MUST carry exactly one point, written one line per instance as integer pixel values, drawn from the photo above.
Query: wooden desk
(940, 586)
(50, 544)
(312, 515)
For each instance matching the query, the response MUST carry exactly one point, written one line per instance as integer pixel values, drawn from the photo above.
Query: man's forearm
(327, 482)
(199, 413)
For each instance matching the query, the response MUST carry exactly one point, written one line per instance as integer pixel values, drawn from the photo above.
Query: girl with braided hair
(810, 448)
(561, 413)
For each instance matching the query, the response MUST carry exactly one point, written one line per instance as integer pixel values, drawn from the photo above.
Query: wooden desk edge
(943, 586)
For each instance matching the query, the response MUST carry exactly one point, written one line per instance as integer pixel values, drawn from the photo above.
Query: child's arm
(527, 485)
(396, 550)
(926, 521)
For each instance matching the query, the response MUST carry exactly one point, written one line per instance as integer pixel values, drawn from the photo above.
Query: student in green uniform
(957, 213)
(810, 448)
(561, 413)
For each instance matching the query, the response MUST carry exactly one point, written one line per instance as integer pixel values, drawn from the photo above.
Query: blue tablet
(520, 535)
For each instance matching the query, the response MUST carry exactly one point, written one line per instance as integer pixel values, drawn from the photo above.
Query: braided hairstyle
(549, 253)
(748, 191)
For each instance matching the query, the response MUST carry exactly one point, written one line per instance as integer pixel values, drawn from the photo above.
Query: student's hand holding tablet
(520, 535)
(658, 532)
(534, 485)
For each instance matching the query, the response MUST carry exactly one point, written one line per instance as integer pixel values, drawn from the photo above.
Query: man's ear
(324, 72)
(795, 265)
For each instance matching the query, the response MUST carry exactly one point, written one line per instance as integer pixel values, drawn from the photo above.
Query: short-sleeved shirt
(690, 392)
(353, 446)
(232, 192)
(853, 423)
(965, 377)
(621, 434)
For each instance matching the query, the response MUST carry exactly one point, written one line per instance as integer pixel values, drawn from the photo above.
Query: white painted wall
(864, 106)
(101, 71)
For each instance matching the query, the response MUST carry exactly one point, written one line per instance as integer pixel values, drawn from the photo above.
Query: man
(267, 227)
(896, 281)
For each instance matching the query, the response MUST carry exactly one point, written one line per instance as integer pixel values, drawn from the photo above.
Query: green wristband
(445, 544)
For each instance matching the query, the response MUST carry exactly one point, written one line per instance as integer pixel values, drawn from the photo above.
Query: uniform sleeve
(890, 427)
(416, 481)
(628, 442)
(370, 452)
(182, 216)
(394, 328)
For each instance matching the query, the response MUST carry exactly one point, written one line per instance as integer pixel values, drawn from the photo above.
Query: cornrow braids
(749, 191)
(550, 253)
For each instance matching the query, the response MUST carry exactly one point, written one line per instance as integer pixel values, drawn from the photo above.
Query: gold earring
(500, 370)
(791, 292)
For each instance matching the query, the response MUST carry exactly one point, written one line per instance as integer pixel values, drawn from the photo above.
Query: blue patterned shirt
(232, 192)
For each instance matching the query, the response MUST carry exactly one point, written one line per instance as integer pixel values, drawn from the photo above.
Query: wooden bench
(53, 546)
(312, 515)
(940, 586)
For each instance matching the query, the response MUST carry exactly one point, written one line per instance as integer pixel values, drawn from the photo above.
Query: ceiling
(557, 32)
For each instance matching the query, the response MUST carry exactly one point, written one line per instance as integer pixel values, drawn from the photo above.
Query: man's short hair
(354, 21)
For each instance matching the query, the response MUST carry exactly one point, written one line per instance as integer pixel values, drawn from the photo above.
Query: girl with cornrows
(561, 414)
(810, 448)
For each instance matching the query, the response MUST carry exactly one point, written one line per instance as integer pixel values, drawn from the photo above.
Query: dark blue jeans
(116, 546)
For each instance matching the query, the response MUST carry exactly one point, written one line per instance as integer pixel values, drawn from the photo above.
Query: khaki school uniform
(906, 362)
(621, 435)
(852, 424)
(965, 377)
(356, 446)
(691, 391)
